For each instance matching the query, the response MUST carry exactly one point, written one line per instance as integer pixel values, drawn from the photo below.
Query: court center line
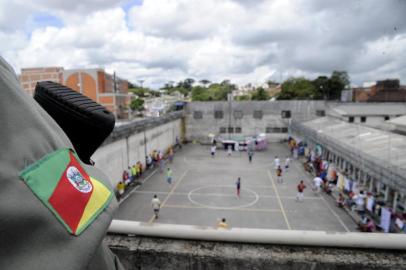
(169, 194)
(222, 195)
(279, 199)
(326, 203)
(219, 208)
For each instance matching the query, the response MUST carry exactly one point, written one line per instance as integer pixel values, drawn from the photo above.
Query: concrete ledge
(263, 236)
(140, 252)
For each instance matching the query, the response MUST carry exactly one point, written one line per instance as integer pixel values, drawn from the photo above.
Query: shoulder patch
(64, 187)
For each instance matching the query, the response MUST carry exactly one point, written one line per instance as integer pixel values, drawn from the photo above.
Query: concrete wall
(126, 147)
(271, 116)
(149, 253)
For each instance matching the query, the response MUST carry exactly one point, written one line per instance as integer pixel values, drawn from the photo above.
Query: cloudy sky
(241, 40)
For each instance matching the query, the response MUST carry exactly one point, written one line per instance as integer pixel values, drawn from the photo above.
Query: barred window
(223, 130)
(230, 130)
(218, 114)
(238, 114)
(320, 113)
(286, 114)
(276, 130)
(197, 114)
(238, 129)
(258, 114)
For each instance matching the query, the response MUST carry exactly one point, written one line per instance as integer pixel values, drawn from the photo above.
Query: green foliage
(272, 83)
(139, 91)
(260, 94)
(214, 92)
(339, 81)
(200, 94)
(205, 82)
(137, 104)
(320, 88)
(243, 98)
(143, 92)
(297, 88)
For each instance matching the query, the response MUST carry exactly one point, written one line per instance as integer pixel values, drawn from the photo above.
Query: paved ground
(203, 191)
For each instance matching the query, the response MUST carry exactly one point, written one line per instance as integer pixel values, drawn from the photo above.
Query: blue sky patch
(127, 5)
(40, 20)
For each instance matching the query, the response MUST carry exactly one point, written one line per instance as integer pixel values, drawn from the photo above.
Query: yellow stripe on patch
(100, 196)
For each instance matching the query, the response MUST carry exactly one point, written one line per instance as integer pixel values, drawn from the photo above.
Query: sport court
(203, 191)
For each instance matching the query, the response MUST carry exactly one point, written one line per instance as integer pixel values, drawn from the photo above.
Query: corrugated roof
(399, 121)
(366, 109)
(368, 142)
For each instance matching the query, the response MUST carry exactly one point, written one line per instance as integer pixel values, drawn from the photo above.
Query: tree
(297, 88)
(131, 85)
(271, 83)
(200, 94)
(137, 104)
(322, 87)
(188, 83)
(260, 94)
(339, 81)
(243, 98)
(141, 92)
(205, 82)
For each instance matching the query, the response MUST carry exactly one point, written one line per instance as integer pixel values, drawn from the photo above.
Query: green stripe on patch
(49, 169)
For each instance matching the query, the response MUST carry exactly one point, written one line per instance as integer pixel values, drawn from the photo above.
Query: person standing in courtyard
(156, 205)
(229, 150)
(300, 189)
(238, 186)
(250, 154)
(169, 176)
(317, 182)
(170, 155)
(287, 163)
(213, 150)
(279, 178)
(277, 162)
(222, 224)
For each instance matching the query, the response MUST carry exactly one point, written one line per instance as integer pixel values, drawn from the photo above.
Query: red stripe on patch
(67, 200)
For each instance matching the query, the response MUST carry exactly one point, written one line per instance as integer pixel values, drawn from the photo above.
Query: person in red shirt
(300, 189)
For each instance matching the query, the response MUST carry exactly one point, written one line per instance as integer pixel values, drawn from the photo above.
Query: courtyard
(203, 191)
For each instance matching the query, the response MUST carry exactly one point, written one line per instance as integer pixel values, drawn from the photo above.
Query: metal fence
(388, 173)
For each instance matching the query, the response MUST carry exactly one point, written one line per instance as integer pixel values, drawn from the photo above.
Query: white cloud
(244, 41)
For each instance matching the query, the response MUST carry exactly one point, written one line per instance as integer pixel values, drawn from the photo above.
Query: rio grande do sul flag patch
(62, 185)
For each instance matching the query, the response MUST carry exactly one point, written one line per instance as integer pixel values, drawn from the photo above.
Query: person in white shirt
(277, 162)
(359, 200)
(156, 205)
(317, 182)
(213, 150)
(287, 162)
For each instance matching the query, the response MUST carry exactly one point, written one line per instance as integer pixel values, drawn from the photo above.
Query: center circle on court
(222, 197)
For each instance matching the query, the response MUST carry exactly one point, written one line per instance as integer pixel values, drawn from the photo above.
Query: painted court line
(327, 205)
(221, 208)
(279, 199)
(222, 195)
(169, 194)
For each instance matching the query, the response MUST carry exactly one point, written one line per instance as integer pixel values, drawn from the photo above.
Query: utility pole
(114, 82)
